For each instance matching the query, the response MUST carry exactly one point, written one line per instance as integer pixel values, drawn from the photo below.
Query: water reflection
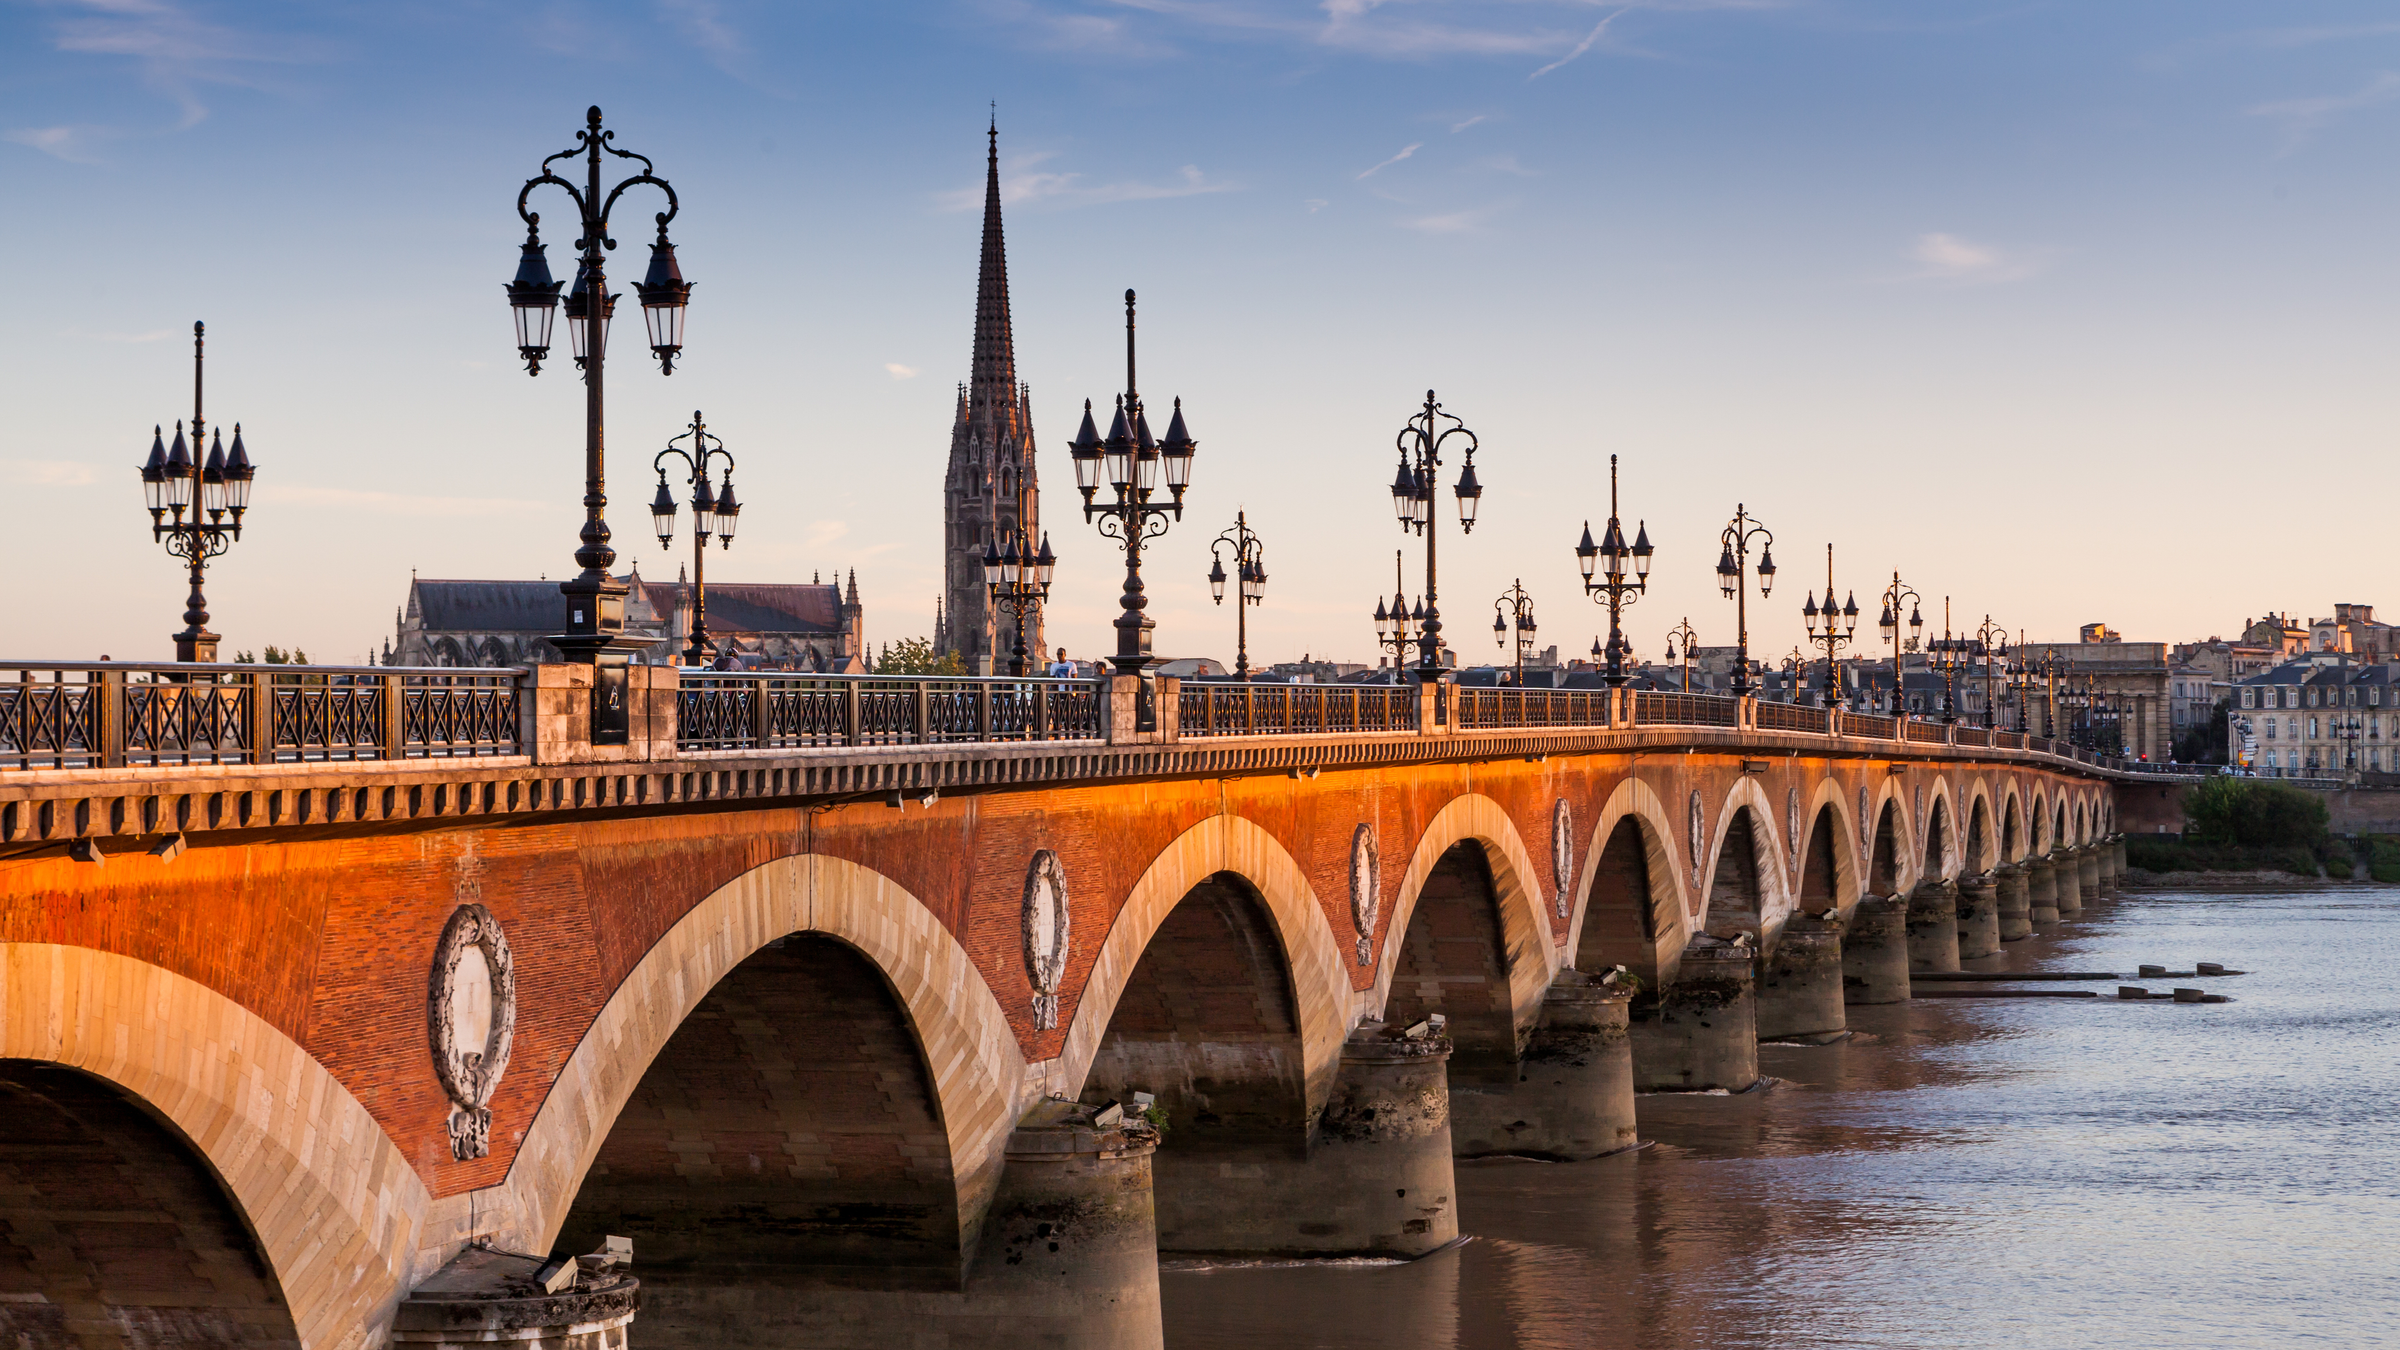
(2039, 1172)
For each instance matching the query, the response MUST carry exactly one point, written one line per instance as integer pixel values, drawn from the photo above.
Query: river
(2038, 1172)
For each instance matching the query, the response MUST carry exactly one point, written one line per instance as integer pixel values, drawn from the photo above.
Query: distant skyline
(2072, 313)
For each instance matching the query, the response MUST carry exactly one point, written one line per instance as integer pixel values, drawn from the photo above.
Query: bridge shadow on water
(2052, 1172)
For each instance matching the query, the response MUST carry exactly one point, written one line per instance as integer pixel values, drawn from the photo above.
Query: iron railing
(1693, 710)
(766, 711)
(64, 715)
(1493, 709)
(1868, 724)
(1251, 709)
(1790, 717)
(1926, 733)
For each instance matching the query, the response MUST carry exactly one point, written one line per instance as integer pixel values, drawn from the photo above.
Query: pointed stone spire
(992, 372)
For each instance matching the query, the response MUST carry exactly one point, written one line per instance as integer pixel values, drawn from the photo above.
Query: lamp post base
(196, 645)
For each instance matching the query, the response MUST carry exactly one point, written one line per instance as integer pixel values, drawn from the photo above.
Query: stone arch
(1831, 806)
(1895, 830)
(1320, 985)
(1530, 956)
(1769, 902)
(2012, 823)
(493, 653)
(973, 1066)
(334, 1206)
(2037, 823)
(84, 1166)
(1980, 847)
(1942, 840)
(2080, 835)
(2058, 829)
(1630, 907)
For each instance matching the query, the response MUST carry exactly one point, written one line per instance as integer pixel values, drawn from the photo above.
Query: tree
(2255, 813)
(915, 656)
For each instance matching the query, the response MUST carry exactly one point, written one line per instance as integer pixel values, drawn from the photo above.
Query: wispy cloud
(176, 51)
(1580, 48)
(74, 144)
(1404, 153)
(1508, 164)
(1457, 127)
(1947, 257)
(1316, 204)
(2303, 117)
(900, 372)
(1024, 185)
(702, 23)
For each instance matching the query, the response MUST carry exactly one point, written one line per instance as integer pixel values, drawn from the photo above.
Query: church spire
(992, 373)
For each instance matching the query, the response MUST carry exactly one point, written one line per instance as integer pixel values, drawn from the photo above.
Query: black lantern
(664, 295)
(533, 299)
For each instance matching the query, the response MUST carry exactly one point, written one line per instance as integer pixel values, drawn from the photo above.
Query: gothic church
(991, 489)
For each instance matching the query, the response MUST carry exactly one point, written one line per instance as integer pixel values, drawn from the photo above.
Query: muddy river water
(2040, 1172)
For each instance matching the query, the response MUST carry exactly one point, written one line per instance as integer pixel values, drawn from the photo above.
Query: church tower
(991, 488)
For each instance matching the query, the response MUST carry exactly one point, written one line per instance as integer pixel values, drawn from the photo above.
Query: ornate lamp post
(1018, 581)
(1894, 596)
(1838, 628)
(595, 600)
(1129, 461)
(1731, 565)
(714, 511)
(1420, 443)
(1991, 644)
(1683, 632)
(177, 481)
(1250, 583)
(1614, 588)
(1515, 607)
(1397, 628)
(1946, 655)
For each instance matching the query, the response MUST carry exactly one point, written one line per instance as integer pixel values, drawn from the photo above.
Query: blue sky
(2075, 312)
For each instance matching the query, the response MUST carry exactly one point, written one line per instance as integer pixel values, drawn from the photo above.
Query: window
(2249, 698)
(2312, 728)
(2270, 728)
(2270, 759)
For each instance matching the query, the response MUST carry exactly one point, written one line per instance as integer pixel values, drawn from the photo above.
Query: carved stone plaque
(1365, 890)
(1562, 853)
(471, 1018)
(1046, 929)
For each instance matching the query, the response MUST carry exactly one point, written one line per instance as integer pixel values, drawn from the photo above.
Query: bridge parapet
(143, 754)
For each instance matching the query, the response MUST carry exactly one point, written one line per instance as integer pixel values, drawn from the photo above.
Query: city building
(990, 489)
(814, 627)
(2313, 719)
(2132, 676)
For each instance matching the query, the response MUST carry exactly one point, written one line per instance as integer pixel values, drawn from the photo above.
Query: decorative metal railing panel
(1691, 710)
(1974, 736)
(1868, 724)
(1217, 708)
(124, 713)
(1926, 733)
(1790, 717)
(736, 711)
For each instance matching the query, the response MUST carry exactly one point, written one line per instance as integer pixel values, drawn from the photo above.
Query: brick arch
(971, 1058)
(1637, 803)
(1907, 857)
(2013, 845)
(335, 1207)
(1531, 955)
(1983, 821)
(1767, 849)
(2082, 833)
(1941, 807)
(1849, 862)
(1220, 844)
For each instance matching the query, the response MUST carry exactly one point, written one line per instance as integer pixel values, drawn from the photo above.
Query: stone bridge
(323, 992)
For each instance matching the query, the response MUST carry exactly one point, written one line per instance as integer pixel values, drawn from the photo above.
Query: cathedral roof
(537, 607)
(758, 607)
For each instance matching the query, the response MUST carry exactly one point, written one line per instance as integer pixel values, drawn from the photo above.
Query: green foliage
(2167, 855)
(915, 656)
(2255, 813)
(2382, 855)
(1157, 1116)
(276, 656)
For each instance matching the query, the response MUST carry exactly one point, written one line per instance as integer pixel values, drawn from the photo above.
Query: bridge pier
(1800, 984)
(485, 1297)
(2070, 882)
(2041, 888)
(1699, 1031)
(1378, 1180)
(1573, 1098)
(1978, 917)
(2014, 905)
(1933, 926)
(1875, 951)
(2092, 872)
